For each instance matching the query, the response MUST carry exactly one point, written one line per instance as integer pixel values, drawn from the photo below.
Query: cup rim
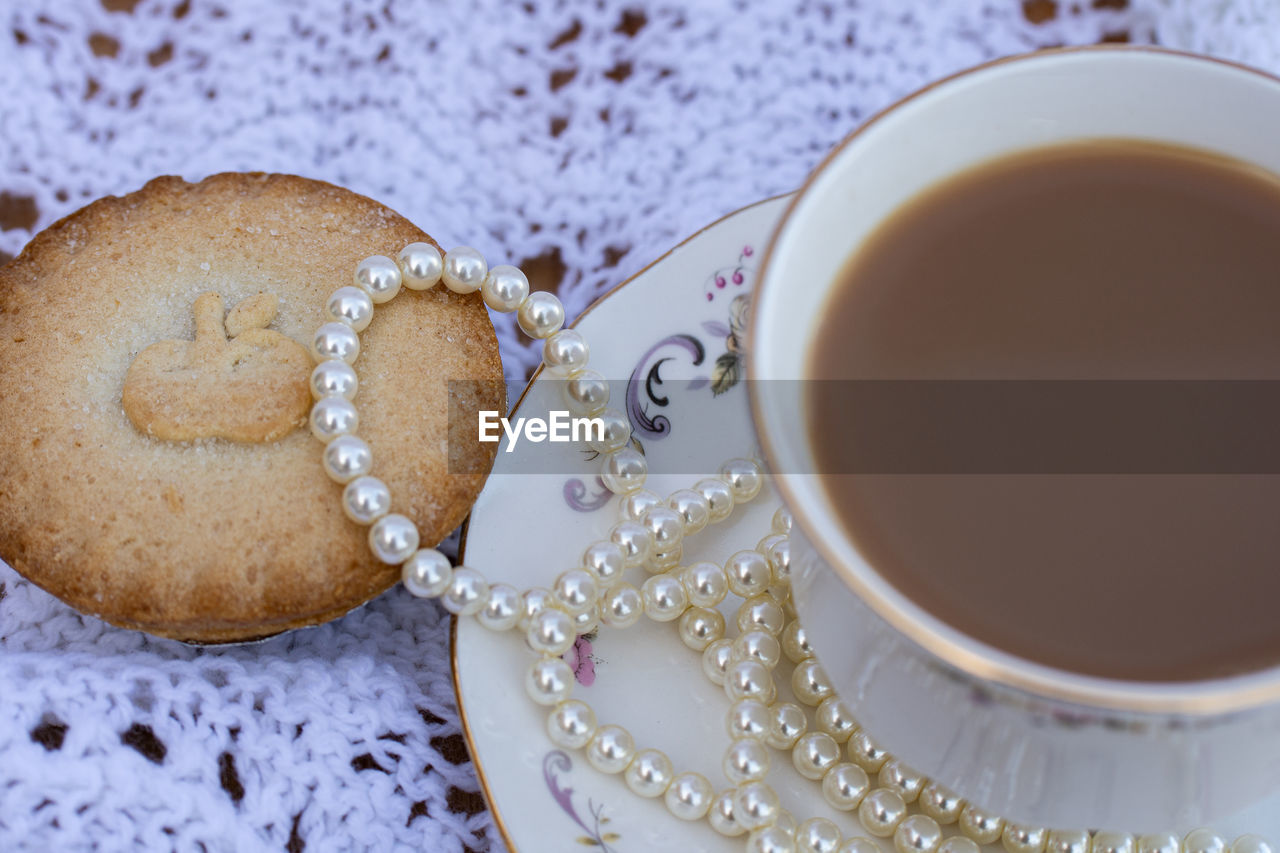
(976, 659)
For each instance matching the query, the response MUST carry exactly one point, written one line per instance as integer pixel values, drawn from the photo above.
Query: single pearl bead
(1159, 842)
(346, 458)
(689, 796)
(867, 754)
(959, 844)
(605, 561)
(782, 520)
(756, 805)
(779, 556)
(814, 754)
(795, 642)
(787, 725)
(835, 718)
(982, 827)
(705, 583)
(716, 659)
(467, 593)
(917, 834)
(722, 814)
(332, 417)
(1079, 841)
(532, 602)
(335, 340)
(549, 681)
(379, 276)
(649, 774)
(810, 683)
(624, 470)
(844, 785)
(334, 378)
(694, 510)
(622, 606)
(541, 315)
(770, 839)
(614, 433)
(748, 574)
(787, 823)
(586, 621)
(665, 527)
(427, 573)
(747, 679)
(664, 561)
(571, 724)
(664, 598)
(566, 352)
(1250, 844)
(881, 812)
(585, 392)
(746, 760)
(1106, 842)
(634, 541)
(505, 288)
(421, 265)
(1018, 838)
(551, 632)
(719, 497)
(759, 646)
(748, 718)
(761, 612)
(366, 499)
(944, 806)
(575, 590)
(744, 477)
(464, 269)
(700, 627)
(1203, 841)
(897, 776)
(350, 306)
(637, 503)
(393, 539)
(818, 835)
(611, 749)
(502, 610)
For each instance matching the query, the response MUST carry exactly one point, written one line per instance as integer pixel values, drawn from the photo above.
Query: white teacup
(1029, 742)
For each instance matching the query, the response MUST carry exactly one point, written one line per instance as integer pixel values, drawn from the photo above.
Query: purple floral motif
(557, 762)
(581, 660)
(580, 499)
(647, 379)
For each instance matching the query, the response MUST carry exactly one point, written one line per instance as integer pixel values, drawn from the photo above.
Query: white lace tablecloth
(581, 139)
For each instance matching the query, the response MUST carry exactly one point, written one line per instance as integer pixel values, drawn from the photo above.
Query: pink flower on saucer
(580, 659)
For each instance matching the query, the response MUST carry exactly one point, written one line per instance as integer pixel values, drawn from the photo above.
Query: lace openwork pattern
(579, 140)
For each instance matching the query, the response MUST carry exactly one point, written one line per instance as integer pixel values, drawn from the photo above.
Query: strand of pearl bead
(645, 520)
(551, 619)
(348, 459)
(887, 810)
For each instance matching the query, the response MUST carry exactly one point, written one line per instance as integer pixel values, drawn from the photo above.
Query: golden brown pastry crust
(213, 540)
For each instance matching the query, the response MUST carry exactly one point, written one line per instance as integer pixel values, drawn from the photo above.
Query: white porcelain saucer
(668, 332)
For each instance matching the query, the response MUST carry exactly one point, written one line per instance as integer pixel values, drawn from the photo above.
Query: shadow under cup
(1029, 742)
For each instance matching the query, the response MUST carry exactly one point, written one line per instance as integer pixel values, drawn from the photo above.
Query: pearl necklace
(649, 534)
